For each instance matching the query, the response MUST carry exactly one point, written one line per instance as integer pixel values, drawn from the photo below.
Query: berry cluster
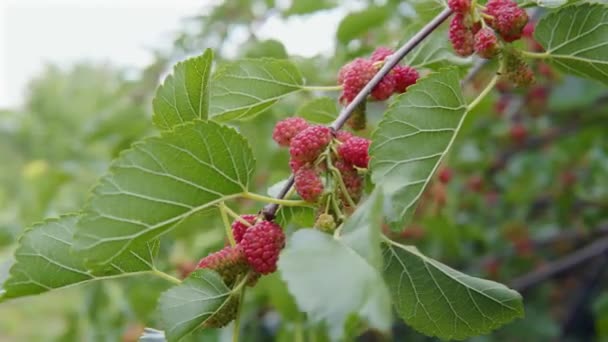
(315, 150)
(257, 249)
(537, 78)
(356, 74)
(326, 164)
(474, 31)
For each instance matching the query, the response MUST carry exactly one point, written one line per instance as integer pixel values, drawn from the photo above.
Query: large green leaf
(321, 110)
(440, 301)
(240, 90)
(159, 183)
(45, 261)
(575, 39)
(184, 96)
(188, 306)
(341, 278)
(362, 230)
(357, 23)
(413, 137)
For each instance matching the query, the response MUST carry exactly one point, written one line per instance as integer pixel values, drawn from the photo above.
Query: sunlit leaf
(440, 301)
(322, 110)
(309, 6)
(575, 39)
(160, 182)
(357, 23)
(242, 89)
(184, 96)
(412, 138)
(188, 306)
(45, 260)
(332, 263)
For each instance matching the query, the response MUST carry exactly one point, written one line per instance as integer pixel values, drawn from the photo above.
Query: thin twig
(570, 261)
(270, 210)
(589, 284)
(569, 236)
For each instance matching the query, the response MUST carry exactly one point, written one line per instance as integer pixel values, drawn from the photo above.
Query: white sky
(35, 32)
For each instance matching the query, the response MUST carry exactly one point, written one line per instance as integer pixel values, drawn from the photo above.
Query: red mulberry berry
(518, 133)
(228, 262)
(262, 244)
(307, 145)
(352, 180)
(528, 30)
(239, 228)
(355, 151)
(522, 75)
(475, 183)
(381, 53)
(486, 43)
(445, 175)
(405, 76)
(536, 99)
(353, 77)
(342, 136)
(308, 184)
(528, 33)
(459, 6)
(461, 36)
(385, 88)
(286, 129)
(502, 104)
(509, 19)
(295, 165)
(517, 71)
(225, 314)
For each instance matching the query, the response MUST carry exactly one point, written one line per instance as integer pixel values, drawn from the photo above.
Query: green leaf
(411, 140)
(358, 23)
(321, 110)
(338, 281)
(184, 96)
(45, 261)
(300, 216)
(550, 3)
(362, 230)
(243, 89)
(309, 6)
(188, 306)
(161, 182)
(440, 301)
(575, 39)
(266, 48)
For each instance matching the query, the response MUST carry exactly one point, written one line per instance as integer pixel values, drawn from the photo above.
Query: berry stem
(271, 209)
(240, 288)
(323, 88)
(227, 227)
(537, 55)
(278, 200)
(165, 276)
(337, 210)
(486, 90)
(236, 216)
(340, 182)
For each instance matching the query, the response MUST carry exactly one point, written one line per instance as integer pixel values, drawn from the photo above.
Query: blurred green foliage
(501, 216)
